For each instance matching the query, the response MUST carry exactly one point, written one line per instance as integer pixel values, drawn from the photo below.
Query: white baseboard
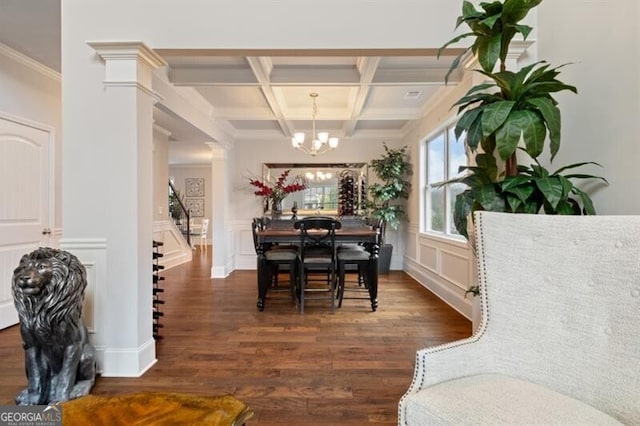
(132, 362)
(444, 292)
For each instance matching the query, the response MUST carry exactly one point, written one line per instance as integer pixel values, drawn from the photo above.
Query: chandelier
(321, 142)
(318, 176)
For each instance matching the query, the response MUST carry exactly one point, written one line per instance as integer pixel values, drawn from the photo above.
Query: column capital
(127, 50)
(219, 151)
(517, 49)
(128, 64)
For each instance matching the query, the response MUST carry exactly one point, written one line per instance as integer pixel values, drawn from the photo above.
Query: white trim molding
(30, 63)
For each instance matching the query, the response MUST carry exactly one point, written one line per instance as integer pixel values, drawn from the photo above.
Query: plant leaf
(588, 208)
(574, 165)
(551, 115)
(494, 116)
(508, 136)
(525, 30)
(488, 51)
(474, 134)
(466, 121)
(551, 189)
(533, 133)
(515, 10)
(489, 199)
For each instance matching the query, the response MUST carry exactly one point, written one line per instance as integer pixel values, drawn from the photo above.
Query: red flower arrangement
(278, 190)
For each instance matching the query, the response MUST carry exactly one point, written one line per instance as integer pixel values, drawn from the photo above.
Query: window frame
(444, 131)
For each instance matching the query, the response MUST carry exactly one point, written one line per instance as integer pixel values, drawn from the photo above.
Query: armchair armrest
(450, 361)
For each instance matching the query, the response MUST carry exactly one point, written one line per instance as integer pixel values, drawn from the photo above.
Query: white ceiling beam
(392, 114)
(367, 66)
(402, 77)
(315, 76)
(261, 71)
(212, 76)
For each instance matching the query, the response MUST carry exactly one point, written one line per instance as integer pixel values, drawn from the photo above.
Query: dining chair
(317, 254)
(354, 255)
(276, 256)
(203, 233)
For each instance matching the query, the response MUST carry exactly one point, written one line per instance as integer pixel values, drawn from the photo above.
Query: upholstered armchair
(559, 341)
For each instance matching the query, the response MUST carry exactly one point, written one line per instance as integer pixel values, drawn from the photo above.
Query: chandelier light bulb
(323, 137)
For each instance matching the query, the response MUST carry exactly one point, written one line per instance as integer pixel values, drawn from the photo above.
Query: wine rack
(351, 192)
(157, 290)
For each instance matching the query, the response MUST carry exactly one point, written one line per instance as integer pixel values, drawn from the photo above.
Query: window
(321, 197)
(444, 155)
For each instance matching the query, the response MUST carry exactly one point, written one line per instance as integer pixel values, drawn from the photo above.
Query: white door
(24, 202)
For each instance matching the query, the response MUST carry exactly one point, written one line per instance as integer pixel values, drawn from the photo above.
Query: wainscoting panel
(428, 256)
(444, 266)
(454, 268)
(92, 253)
(175, 249)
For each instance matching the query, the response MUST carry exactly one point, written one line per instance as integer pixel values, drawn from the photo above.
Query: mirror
(336, 189)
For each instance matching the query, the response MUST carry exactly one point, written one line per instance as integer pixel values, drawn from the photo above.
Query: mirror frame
(360, 168)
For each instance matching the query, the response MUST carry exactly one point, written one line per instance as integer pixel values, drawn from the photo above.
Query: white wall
(601, 41)
(160, 174)
(31, 91)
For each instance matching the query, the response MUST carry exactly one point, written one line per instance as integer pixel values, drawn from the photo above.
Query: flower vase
(276, 209)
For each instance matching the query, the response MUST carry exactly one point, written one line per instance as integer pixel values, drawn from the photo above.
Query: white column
(222, 257)
(108, 195)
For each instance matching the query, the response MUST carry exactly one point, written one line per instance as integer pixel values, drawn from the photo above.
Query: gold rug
(155, 408)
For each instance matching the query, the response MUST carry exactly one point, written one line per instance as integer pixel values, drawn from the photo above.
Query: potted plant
(277, 190)
(387, 195)
(509, 119)
(176, 202)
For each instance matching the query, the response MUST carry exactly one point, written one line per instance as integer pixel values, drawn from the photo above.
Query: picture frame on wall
(194, 187)
(195, 206)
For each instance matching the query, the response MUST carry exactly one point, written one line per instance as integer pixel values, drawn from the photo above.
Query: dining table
(368, 237)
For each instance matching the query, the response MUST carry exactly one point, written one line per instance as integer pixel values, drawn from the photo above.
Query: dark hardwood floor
(347, 368)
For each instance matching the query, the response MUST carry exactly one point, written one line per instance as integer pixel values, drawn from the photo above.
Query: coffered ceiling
(257, 95)
(360, 94)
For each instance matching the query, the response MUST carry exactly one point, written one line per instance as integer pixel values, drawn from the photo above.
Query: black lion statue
(48, 291)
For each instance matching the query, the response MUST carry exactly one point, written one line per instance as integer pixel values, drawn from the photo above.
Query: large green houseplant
(388, 194)
(511, 113)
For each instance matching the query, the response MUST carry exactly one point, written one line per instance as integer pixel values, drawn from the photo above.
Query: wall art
(194, 187)
(195, 206)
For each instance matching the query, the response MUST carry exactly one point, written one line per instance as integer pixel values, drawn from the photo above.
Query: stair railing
(178, 213)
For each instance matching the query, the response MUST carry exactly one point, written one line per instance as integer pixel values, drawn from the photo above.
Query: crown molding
(127, 50)
(29, 63)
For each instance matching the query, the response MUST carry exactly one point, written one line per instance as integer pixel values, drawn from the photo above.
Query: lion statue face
(33, 275)
(54, 278)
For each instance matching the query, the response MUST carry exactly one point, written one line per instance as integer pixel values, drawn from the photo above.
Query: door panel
(24, 202)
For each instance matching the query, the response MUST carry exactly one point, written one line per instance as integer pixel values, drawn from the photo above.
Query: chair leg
(341, 278)
(303, 277)
(293, 280)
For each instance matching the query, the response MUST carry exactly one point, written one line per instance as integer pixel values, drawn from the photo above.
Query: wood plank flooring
(347, 368)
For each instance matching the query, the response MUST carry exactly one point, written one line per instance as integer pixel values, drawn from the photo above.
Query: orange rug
(155, 408)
